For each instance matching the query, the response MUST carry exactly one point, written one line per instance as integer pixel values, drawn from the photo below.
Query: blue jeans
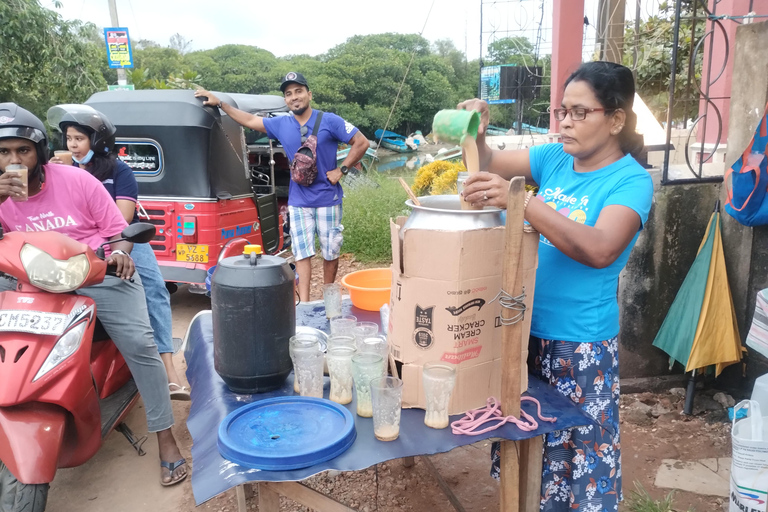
(156, 294)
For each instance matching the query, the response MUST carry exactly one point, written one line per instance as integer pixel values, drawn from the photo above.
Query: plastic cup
(22, 172)
(453, 126)
(365, 368)
(438, 380)
(344, 340)
(332, 299)
(64, 156)
(387, 399)
(343, 325)
(339, 359)
(300, 341)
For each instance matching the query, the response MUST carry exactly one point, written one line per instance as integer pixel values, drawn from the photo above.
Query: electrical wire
(413, 55)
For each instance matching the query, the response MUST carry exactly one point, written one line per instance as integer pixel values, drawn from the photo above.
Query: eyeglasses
(304, 134)
(578, 113)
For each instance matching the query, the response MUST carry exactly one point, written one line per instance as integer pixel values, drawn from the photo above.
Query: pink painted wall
(722, 87)
(567, 37)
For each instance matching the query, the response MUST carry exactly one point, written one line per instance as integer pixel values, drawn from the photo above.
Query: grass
(367, 210)
(640, 501)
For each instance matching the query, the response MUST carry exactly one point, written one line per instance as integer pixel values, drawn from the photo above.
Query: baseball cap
(295, 78)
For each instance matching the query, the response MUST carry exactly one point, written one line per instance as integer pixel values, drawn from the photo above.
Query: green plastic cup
(453, 126)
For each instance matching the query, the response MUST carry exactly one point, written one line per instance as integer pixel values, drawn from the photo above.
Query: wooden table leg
(509, 494)
(301, 494)
(408, 462)
(530, 472)
(240, 494)
(269, 500)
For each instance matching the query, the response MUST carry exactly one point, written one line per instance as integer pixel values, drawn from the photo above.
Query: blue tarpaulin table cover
(212, 401)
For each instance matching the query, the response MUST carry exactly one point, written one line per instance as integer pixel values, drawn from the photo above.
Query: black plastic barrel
(254, 317)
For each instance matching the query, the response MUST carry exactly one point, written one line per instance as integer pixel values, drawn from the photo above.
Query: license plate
(192, 253)
(35, 322)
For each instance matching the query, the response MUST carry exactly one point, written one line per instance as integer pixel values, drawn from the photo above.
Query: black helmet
(100, 129)
(20, 123)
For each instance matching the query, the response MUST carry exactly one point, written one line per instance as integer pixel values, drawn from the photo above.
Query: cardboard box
(442, 308)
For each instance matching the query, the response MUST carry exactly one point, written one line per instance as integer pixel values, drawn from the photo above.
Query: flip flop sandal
(172, 466)
(180, 393)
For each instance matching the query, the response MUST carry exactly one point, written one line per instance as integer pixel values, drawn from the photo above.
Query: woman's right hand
(482, 107)
(55, 160)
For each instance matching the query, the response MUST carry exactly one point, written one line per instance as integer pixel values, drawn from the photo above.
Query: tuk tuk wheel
(171, 287)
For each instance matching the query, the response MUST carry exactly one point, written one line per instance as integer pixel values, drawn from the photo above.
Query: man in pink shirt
(69, 200)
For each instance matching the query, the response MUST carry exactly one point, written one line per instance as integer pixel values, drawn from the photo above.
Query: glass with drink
(439, 380)
(387, 400)
(339, 359)
(365, 368)
(22, 173)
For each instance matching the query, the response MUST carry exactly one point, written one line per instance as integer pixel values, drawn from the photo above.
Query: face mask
(86, 158)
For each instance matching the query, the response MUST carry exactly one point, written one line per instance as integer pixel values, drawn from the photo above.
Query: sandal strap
(172, 466)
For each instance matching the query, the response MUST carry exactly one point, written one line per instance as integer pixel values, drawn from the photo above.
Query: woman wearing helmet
(76, 205)
(90, 136)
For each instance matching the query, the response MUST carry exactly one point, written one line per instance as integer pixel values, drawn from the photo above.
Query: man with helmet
(72, 202)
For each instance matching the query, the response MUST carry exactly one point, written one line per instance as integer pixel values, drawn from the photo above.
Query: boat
(394, 142)
(448, 153)
(365, 163)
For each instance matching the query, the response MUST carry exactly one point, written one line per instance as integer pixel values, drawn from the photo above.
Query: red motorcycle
(63, 384)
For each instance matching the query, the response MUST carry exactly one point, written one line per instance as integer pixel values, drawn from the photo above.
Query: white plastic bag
(749, 470)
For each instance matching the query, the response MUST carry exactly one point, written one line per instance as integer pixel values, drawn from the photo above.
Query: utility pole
(121, 78)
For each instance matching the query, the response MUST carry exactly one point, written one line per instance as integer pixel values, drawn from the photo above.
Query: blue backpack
(746, 199)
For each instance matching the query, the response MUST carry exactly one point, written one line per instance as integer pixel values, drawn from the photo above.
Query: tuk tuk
(196, 176)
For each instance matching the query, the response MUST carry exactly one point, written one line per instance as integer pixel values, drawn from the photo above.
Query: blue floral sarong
(582, 466)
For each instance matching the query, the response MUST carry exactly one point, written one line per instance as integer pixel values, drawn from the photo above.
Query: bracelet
(528, 197)
(120, 251)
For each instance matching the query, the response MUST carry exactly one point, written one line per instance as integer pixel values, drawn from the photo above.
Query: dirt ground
(119, 481)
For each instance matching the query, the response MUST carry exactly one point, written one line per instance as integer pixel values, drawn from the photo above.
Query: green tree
(45, 59)
(158, 62)
(511, 50)
(654, 59)
(235, 68)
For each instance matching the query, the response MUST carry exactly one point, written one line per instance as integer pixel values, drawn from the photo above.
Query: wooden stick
(269, 500)
(410, 192)
(512, 283)
(305, 496)
(530, 472)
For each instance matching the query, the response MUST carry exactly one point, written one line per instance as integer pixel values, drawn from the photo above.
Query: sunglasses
(304, 134)
(578, 113)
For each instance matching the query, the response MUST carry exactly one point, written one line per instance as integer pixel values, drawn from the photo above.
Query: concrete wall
(656, 268)
(667, 246)
(746, 249)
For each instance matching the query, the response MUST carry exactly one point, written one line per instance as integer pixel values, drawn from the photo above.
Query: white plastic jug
(760, 393)
(749, 469)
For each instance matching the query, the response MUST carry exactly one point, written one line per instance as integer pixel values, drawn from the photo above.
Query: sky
(314, 27)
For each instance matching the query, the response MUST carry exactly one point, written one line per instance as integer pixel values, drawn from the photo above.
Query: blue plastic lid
(286, 433)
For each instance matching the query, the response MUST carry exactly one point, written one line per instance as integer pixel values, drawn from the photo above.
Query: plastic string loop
(515, 304)
(491, 413)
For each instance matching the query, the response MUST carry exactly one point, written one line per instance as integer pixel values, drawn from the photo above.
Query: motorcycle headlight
(65, 347)
(58, 276)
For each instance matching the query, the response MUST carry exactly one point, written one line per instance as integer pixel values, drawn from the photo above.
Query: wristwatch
(119, 251)
(344, 169)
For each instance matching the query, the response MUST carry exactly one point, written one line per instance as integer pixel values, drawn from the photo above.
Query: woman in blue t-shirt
(592, 202)
(89, 136)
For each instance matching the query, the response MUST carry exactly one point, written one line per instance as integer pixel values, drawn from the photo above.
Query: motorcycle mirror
(139, 233)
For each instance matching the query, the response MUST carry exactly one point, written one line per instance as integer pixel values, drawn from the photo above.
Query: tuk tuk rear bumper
(181, 274)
